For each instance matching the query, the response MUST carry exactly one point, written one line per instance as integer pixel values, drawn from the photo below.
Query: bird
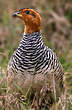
(33, 64)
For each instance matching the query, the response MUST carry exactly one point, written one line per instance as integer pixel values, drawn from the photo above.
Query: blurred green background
(56, 29)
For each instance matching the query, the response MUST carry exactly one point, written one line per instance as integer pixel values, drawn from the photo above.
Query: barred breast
(34, 64)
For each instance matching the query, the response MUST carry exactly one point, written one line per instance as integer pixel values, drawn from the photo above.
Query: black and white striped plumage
(33, 60)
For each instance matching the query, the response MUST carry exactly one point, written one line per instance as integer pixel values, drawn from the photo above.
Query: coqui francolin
(33, 64)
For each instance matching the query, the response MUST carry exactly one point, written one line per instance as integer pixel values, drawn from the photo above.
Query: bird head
(31, 19)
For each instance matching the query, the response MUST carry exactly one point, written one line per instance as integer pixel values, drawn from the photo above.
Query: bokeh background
(56, 29)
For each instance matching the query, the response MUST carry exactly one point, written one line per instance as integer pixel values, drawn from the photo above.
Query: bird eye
(27, 12)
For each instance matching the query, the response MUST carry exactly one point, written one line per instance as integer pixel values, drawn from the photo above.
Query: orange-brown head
(31, 18)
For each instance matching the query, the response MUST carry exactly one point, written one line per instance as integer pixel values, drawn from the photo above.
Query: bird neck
(31, 29)
(32, 39)
(30, 43)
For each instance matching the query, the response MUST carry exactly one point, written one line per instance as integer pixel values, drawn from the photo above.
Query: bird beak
(17, 14)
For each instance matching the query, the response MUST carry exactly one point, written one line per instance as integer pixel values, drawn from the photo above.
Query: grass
(67, 65)
(10, 44)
